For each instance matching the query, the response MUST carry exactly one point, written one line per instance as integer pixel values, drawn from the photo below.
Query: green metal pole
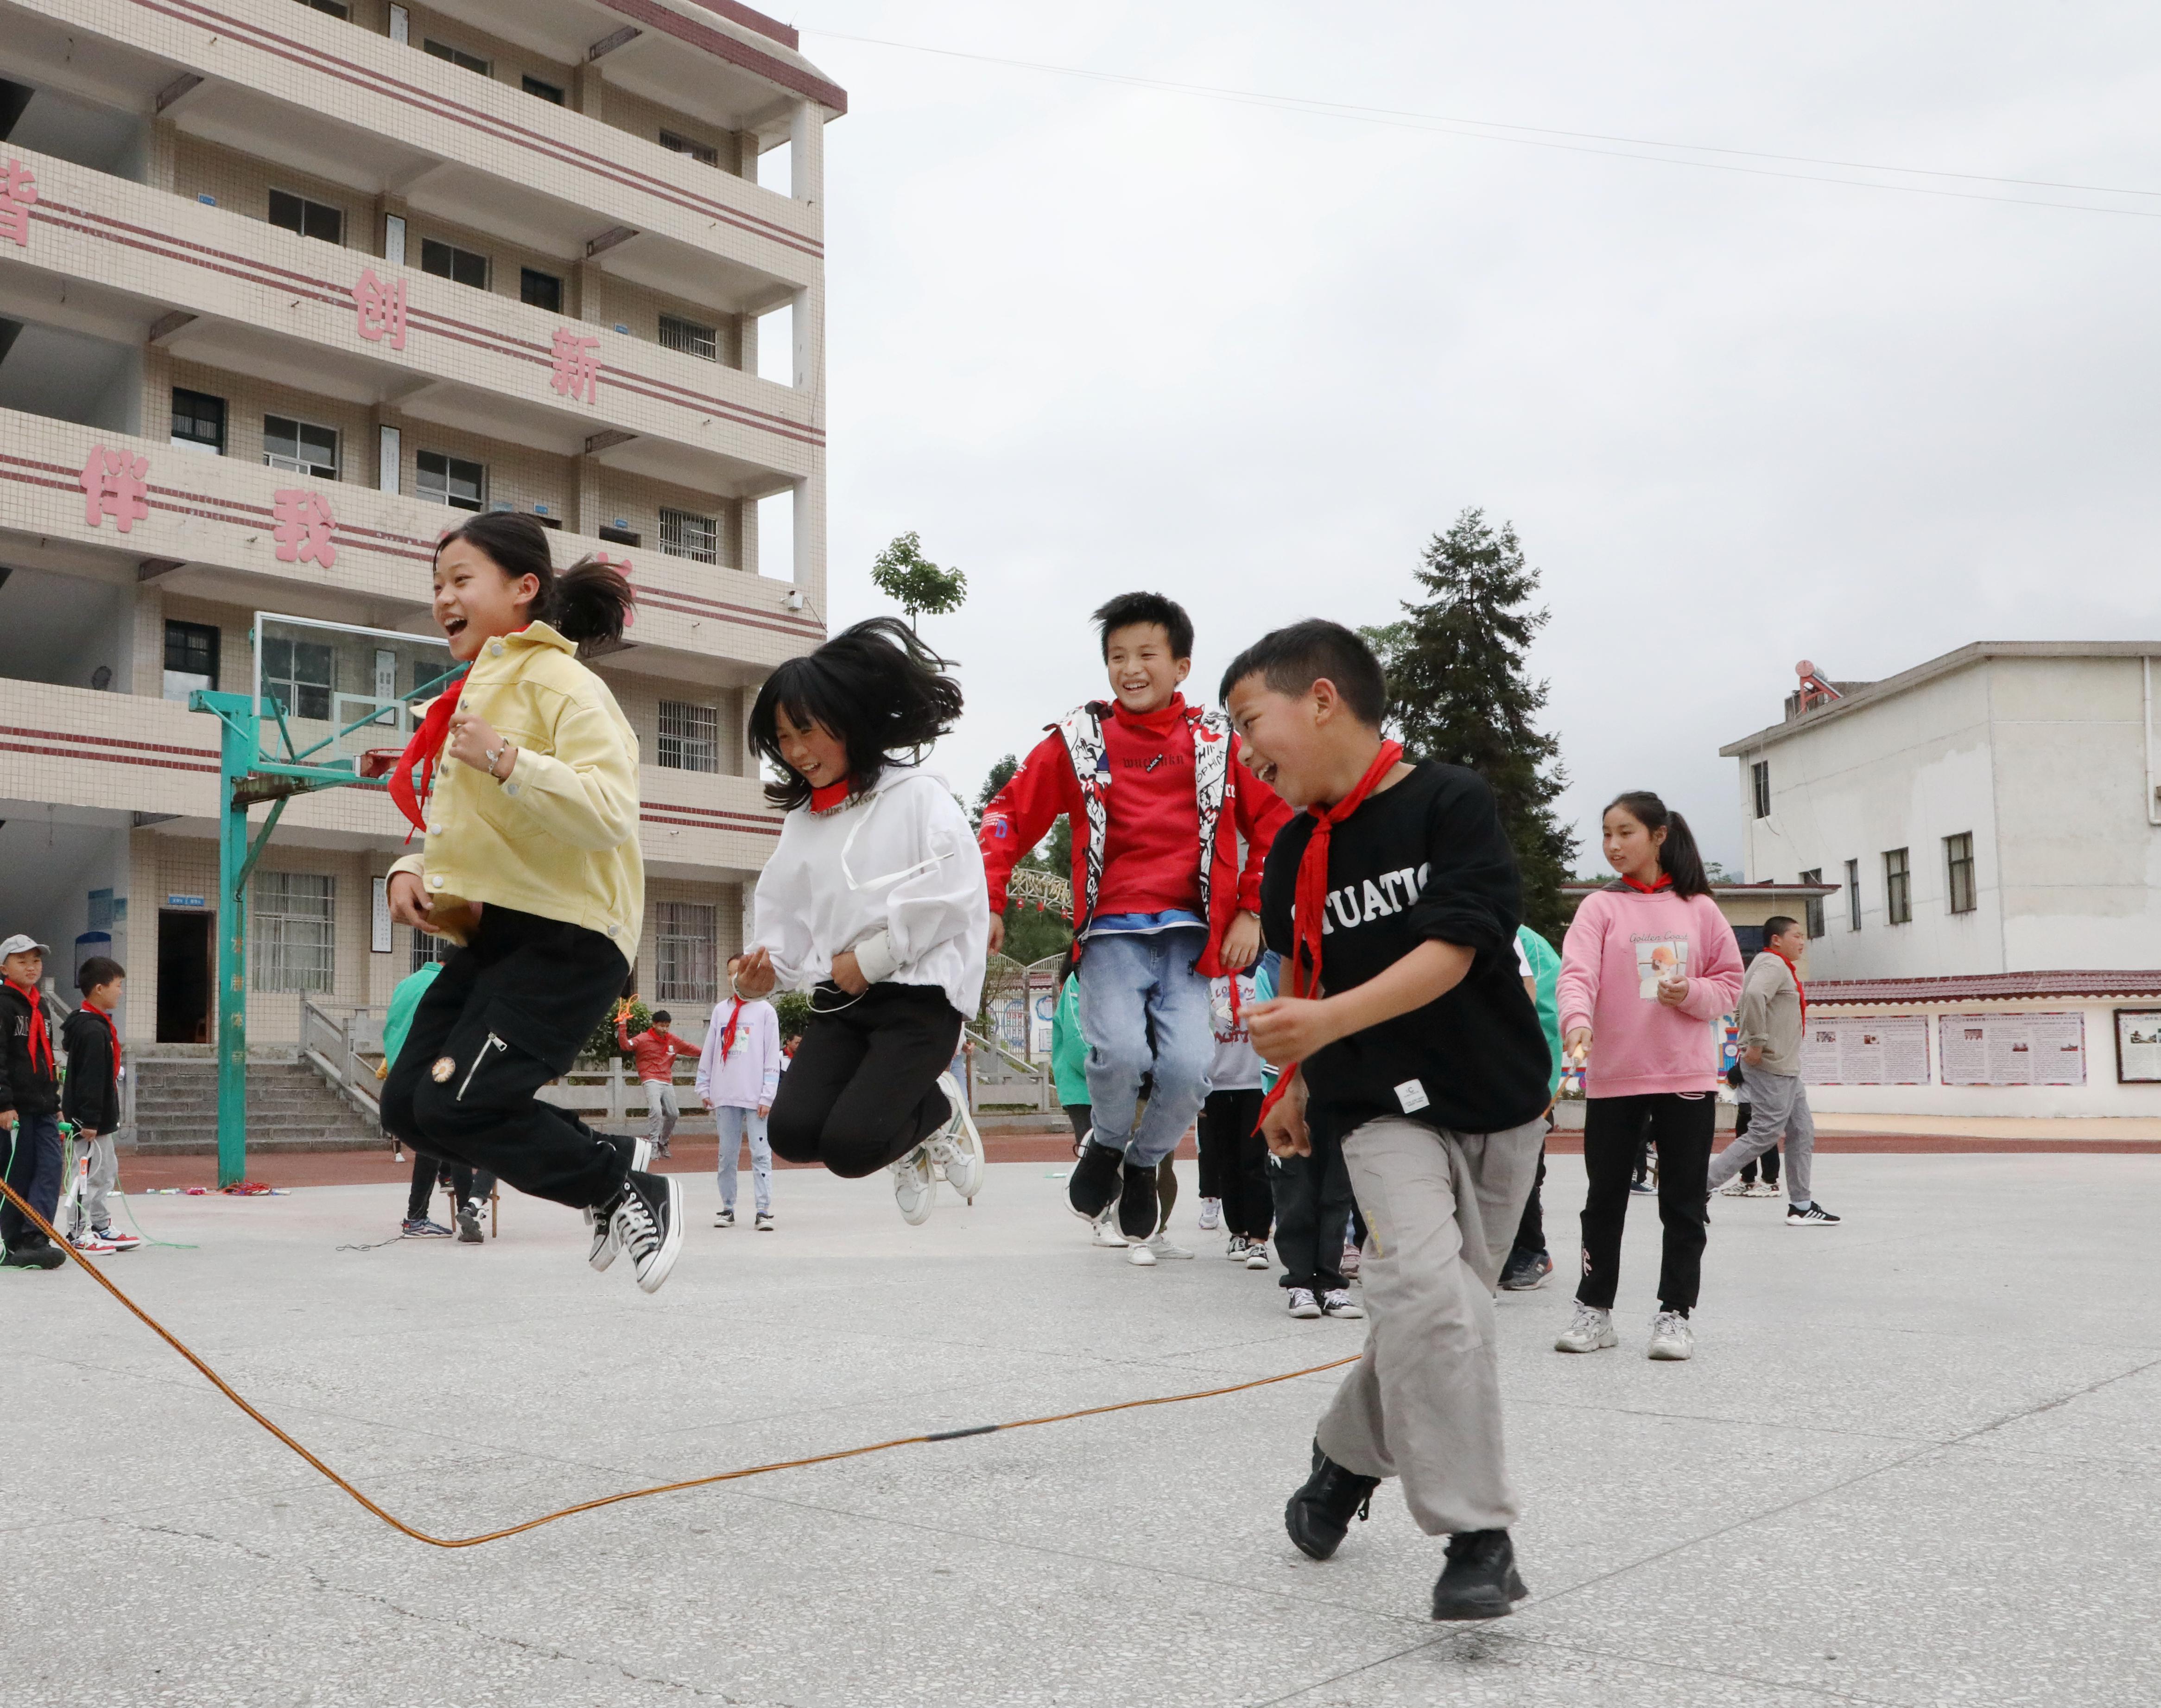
(237, 713)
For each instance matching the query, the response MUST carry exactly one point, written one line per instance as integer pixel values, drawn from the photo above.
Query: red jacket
(1150, 850)
(653, 1050)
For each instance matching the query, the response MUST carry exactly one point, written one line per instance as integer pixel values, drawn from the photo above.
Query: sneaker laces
(644, 1234)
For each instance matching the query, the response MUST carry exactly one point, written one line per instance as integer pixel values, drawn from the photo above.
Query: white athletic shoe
(1765, 1189)
(1336, 1302)
(1300, 1302)
(1591, 1332)
(1211, 1214)
(1256, 1255)
(1672, 1339)
(914, 1187)
(1105, 1231)
(957, 1150)
(1735, 1188)
(1140, 1253)
(1161, 1246)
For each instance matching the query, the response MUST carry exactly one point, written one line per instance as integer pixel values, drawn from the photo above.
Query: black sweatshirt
(1425, 860)
(29, 1091)
(91, 1097)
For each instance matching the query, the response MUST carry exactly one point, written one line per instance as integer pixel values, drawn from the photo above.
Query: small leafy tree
(1031, 934)
(915, 584)
(793, 1009)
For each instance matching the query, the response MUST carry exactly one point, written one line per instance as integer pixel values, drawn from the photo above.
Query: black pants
(1082, 1115)
(1234, 1161)
(1531, 1231)
(1769, 1158)
(862, 1090)
(508, 1013)
(1313, 1202)
(464, 1182)
(1682, 1127)
(34, 1169)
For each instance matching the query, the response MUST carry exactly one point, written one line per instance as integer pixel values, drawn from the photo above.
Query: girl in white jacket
(875, 901)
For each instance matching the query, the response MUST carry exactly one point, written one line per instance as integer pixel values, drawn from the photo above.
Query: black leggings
(1682, 1127)
(466, 1184)
(1234, 1162)
(862, 1090)
(1769, 1158)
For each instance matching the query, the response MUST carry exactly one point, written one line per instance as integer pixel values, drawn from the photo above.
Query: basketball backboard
(341, 689)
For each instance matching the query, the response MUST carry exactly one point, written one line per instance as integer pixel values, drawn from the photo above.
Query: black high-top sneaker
(1320, 1514)
(1139, 1205)
(599, 1218)
(1094, 1182)
(1480, 1581)
(648, 1226)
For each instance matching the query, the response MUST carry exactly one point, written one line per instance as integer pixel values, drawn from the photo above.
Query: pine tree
(1457, 691)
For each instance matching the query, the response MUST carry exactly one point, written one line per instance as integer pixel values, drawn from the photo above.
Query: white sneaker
(1105, 1231)
(1300, 1303)
(1672, 1339)
(1736, 1188)
(914, 1187)
(1161, 1246)
(1141, 1254)
(724, 1218)
(1211, 1214)
(957, 1150)
(1256, 1255)
(1336, 1302)
(1765, 1189)
(1591, 1332)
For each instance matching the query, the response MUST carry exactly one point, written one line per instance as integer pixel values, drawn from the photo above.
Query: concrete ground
(1916, 1460)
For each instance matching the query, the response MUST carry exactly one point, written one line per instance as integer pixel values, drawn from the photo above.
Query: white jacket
(896, 877)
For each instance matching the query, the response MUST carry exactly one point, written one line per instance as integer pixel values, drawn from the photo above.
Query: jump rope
(399, 1525)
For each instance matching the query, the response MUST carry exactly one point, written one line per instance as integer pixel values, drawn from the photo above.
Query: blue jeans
(34, 1169)
(734, 1126)
(1144, 1009)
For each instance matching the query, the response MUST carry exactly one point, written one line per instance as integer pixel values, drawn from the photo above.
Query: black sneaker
(1810, 1216)
(1480, 1581)
(43, 1255)
(648, 1225)
(599, 1218)
(469, 1231)
(1526, 1270)
(1094, 1181)
(1320, 1514)
(1140, 1202)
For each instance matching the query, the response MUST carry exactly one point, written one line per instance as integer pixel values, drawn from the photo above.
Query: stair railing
(332, 1047)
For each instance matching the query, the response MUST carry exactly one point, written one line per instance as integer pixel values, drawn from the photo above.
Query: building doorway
(184, 978)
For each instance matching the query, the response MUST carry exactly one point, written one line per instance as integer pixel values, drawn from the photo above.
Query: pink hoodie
(1620, 943)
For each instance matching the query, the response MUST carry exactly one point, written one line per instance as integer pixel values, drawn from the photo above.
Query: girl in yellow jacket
(528, 799)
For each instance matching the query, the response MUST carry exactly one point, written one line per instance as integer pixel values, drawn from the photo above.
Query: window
(295, 930)
(685, 535)
(1812, 906)
(427, 949)
(198, 421)
(442, 479)
(540, 290)
(298, 675)
(622, 536)
(300, 447)
(1958, 868)
(690, 338)
(1759, 781)
(685, 950)
(336, 8)
(190, 658)
(1897, 888)
(705, 153)
(1853, 895)
(448, 261)
(456, 56)
(546, 92)
(690, 737)
(310, 219)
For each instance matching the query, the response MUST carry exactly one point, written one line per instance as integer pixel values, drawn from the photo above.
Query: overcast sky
(1086, 336)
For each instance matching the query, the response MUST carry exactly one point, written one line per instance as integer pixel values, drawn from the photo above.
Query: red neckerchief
(825, 798)
(1311, 895)
(1796, 972)
(115, 1031)
(1665, 882)
(1159, 722)
(39, 1034)
(426, 747)
(728, 1031)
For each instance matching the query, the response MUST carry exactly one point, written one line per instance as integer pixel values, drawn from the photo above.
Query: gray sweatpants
(662, 1111)
(1777, 1107)
(1423, 1403)
(87, 1186)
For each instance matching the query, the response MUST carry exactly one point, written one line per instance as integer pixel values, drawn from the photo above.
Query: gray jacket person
(1773, 1020)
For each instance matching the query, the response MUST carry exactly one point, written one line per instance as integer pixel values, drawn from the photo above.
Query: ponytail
(589, 602)
(1678, 854)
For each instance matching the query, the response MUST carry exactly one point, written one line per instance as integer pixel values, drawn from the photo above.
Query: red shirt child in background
(652, 1054)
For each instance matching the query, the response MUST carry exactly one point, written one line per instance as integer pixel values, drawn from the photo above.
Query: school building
(287, 284)
(1987, 828)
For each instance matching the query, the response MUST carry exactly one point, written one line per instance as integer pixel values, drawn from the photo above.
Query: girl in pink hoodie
(1648, 970)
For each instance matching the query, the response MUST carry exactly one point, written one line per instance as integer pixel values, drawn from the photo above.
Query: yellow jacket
(560, 838)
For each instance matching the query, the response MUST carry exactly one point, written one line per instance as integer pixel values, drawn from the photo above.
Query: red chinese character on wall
(382, 308)
(112, 484)
(304, 527)
(18, 190)
(577, 366)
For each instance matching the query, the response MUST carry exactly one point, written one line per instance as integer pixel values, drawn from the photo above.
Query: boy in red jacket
(652, 1054)
(1161, 901)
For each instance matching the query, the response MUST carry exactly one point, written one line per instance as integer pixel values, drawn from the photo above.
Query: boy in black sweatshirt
(29, 1105)
(1404, 1032)
(90, 1097)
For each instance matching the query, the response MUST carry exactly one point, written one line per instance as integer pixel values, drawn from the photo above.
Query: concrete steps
(290, 1108)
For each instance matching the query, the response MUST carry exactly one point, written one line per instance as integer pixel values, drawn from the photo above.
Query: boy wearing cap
(29, 1105)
